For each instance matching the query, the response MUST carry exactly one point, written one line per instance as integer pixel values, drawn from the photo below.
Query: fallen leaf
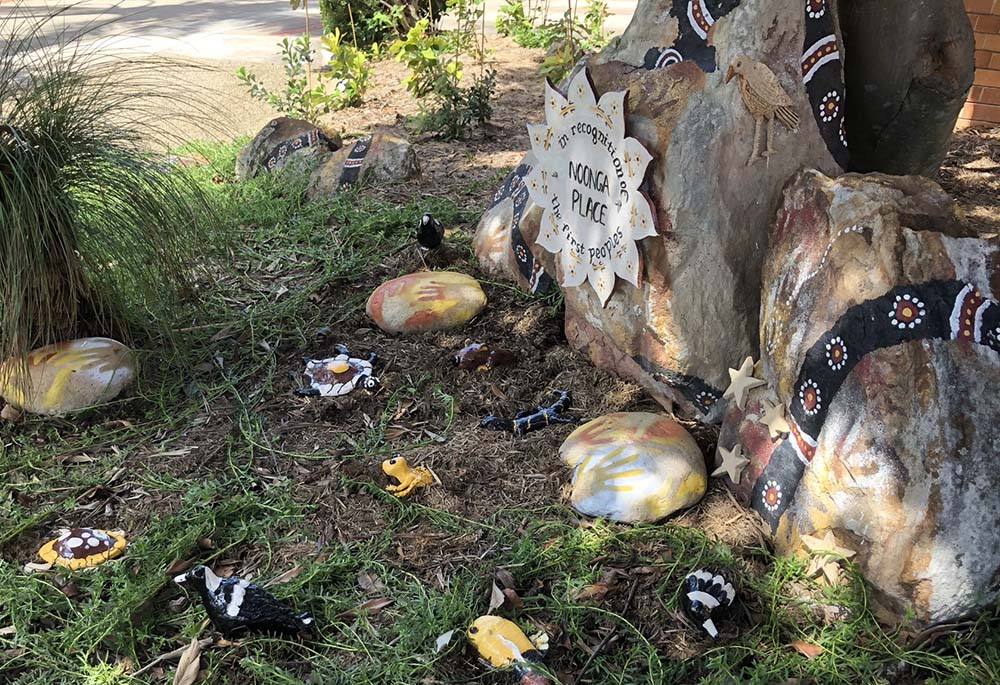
(179, 566)
(512, 598)
(189, 664)
(371, 607)
(21, 498)
(394, 433)
(206, 543)
(370, 583)
(505, 577)
(402, 410)
(78, 459)
(10, 630)
(806, 649)
(434, 436)
(595, 591)
(442, 641)
(70, 590)
(288, 575)
(498, 392)
(497, 598)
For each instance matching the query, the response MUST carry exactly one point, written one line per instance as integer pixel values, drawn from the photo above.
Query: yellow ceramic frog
(408, 477)
(501, 643)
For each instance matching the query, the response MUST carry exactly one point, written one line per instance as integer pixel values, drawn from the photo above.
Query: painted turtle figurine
(78, 548)
(707, 597)
(533, 419)
(337, 376)
(237, 606)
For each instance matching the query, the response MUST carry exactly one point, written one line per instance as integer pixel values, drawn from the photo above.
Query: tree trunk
(908, 68)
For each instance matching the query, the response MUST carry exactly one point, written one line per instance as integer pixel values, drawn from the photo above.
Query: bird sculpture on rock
(236, 606)
(765, 98)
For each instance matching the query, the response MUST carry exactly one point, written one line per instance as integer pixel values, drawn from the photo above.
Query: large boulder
(378, 158)
(285, 143)
(881, 340)
(695, 310)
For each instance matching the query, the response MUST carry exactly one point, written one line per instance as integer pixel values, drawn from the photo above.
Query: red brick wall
(983, 105)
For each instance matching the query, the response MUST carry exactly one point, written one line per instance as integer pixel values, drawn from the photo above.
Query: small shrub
(567, 40)
(377, 21)
(341, 83)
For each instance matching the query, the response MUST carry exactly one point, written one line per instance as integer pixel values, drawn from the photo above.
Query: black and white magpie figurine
(706, 596)
(430, 233)
(237, 606)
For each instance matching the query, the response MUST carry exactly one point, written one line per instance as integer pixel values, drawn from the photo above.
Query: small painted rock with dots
(78, 548)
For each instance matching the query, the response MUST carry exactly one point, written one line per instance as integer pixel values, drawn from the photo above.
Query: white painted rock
(425, 301)
(68, 376)
(634, 466)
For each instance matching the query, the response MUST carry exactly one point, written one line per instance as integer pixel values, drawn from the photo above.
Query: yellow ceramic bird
(764, 97)
(501, 643)
(408, 477)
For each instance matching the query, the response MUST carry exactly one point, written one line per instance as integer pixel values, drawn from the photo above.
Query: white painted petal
(640, 159)
(604, 283)
(644, 224)
(612, 104)
(535, 183)
(581, 93)
(574, 268)
(539, 135)
(627, 266)
(554, 102)
(548, 233)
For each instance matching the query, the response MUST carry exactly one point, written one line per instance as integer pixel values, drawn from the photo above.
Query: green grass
(290, 267)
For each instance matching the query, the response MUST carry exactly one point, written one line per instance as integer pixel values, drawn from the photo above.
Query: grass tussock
(97, 234)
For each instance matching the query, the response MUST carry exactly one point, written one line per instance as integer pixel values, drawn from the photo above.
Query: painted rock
(425, 301)
(68, 376)
(695, 309)
(83, 547)
(882, 343)
(285, 143)
(507, 230)
(634, 467)
(379, 158)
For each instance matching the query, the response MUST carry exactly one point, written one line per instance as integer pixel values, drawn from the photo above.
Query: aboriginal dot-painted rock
(881, 341)
(694, 312)
(83, 548)
(285, 143)
(378, 158)
(634, 466)
(504, 239)
(68, 376)
(425, 301)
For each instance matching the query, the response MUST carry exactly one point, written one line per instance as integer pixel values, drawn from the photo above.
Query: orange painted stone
(425, 301)
(634, 466)
(68, 376)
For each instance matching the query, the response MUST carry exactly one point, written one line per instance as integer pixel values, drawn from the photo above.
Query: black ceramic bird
(706, 596)
(430, 232)
(237, 606)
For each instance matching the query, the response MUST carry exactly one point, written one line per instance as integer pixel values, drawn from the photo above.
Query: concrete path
(240, 30)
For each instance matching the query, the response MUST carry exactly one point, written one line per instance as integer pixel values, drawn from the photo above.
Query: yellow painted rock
(425, 301)
(68, 376)
(83, 547)
(634, 467)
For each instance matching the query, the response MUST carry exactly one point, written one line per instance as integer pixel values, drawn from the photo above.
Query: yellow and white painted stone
(68, 376)
(634, 466)
(426, 301)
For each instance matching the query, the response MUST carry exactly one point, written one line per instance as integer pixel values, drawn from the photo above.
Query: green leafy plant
(436, 69)
(567, 40)
(341, 83)
(377, 21)
(97, 234)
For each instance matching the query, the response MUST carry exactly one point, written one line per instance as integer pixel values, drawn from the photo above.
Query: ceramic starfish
(741, 381)
(733, 463)
(774, 419)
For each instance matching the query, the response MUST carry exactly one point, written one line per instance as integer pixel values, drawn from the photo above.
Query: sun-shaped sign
(587, 181)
